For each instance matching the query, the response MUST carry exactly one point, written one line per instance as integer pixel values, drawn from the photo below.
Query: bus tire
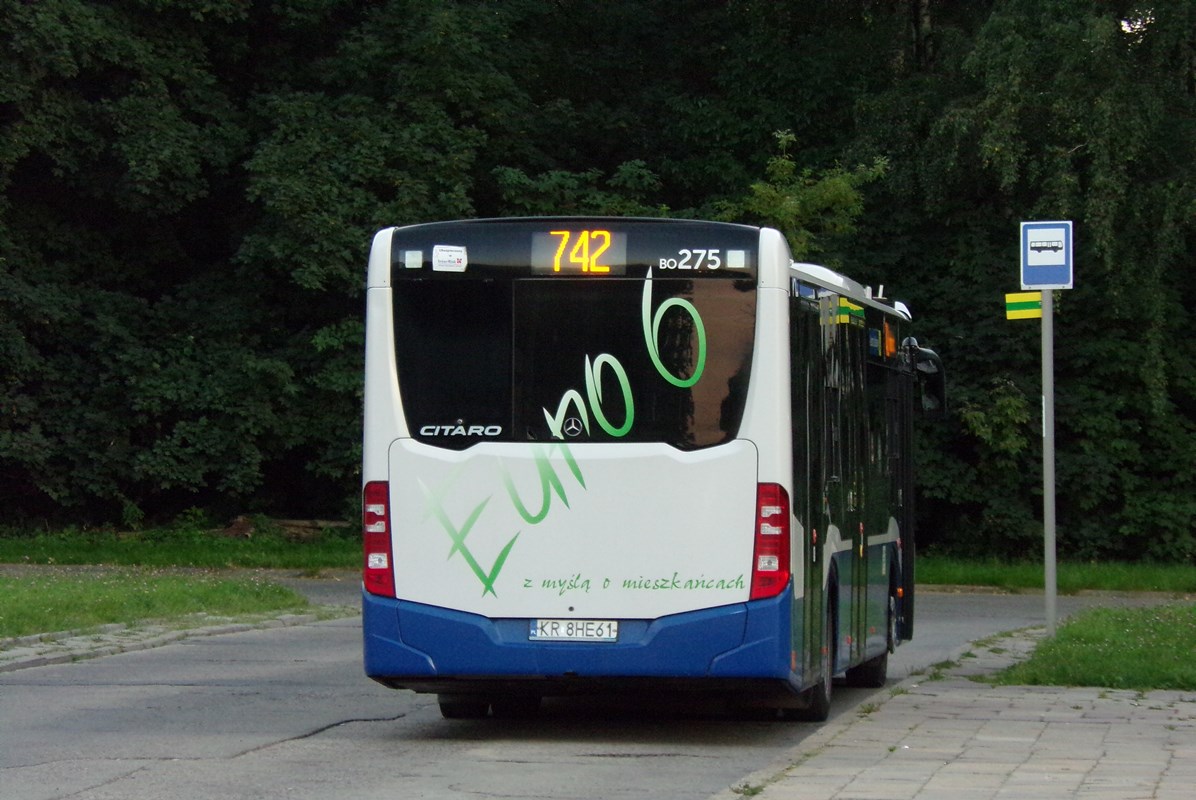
(518, 706)
(462, 706)
(873, 673)
(818, 697)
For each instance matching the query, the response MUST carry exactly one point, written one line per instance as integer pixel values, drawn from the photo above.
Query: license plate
(574, 630)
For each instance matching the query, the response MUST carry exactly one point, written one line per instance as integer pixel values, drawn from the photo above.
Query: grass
(1071, 577)
(134, 584)
(1117, 648)
(185, 546)
(61, 600)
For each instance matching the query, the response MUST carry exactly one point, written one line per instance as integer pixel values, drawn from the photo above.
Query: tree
(806, 207)
(1057, 111)
(188, 190)
(115, 146)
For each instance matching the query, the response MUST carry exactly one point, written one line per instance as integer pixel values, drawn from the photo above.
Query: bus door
(839, 485)
(808, 390)
(901, 407)
(855, 459)
(883, 463)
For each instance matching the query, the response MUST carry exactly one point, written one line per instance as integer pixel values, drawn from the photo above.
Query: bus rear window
(453, 346)
(659, 359)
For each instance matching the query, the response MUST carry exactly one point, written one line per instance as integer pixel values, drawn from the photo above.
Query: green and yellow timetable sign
(1023, 305)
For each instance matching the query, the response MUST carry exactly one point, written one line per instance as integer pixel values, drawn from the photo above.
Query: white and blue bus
(608, 454)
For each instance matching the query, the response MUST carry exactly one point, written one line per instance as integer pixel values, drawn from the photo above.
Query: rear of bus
(576, 459)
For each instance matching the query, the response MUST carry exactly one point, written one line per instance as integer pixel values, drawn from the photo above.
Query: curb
(63, 647)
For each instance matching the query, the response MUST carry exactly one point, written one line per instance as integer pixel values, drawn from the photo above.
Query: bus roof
(840, 284)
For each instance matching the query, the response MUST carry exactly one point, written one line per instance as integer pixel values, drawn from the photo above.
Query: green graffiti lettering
(677, 582)
(549, 480)
(570, 461)
(573, 399)
(594, 390)
(652, 335)
(570, 584)
(457, 535)
(555, 423)
(488, 581)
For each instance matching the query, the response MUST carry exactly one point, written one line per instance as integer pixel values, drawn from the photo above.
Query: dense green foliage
(188, 189)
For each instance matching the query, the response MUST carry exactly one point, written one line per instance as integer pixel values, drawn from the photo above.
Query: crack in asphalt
(316, 732)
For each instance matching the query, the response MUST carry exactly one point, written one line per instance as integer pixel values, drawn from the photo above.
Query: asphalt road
(288, 713)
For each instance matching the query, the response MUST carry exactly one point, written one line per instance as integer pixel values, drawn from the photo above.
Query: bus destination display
(595, 251)
(598, 251)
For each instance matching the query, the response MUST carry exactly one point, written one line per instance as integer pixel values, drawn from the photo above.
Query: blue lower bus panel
(425, 648)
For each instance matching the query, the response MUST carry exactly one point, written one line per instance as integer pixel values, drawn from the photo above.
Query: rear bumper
(430, 649)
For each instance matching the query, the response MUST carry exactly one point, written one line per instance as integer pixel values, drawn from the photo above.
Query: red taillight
(378, 570)
(770, 561)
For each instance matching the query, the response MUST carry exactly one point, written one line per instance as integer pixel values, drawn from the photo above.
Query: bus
(610, 455)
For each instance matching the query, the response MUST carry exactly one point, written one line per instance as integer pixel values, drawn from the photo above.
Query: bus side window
(931, 378)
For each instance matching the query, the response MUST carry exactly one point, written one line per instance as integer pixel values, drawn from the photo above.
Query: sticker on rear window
(449, 258)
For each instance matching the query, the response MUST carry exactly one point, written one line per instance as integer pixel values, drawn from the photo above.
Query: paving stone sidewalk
(944, 736)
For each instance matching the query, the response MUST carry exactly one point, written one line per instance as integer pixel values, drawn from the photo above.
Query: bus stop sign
(1046, 255)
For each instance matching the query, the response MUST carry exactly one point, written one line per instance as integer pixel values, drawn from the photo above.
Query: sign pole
(1048, 457)
(1047, 263)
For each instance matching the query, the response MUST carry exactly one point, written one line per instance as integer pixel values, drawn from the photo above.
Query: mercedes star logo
(572, 426)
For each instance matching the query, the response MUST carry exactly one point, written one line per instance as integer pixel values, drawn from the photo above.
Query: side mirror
(931, 379)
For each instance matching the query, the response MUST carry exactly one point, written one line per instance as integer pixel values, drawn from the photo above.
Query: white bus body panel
(624, 531)
(383, 415)
(768, 412)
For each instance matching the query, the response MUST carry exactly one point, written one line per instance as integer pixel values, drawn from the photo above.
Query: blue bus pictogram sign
(1047, 261)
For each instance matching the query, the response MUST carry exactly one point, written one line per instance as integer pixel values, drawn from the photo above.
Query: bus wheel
(873, 672)
(519, 706)
(462, 706)
(818, 698)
